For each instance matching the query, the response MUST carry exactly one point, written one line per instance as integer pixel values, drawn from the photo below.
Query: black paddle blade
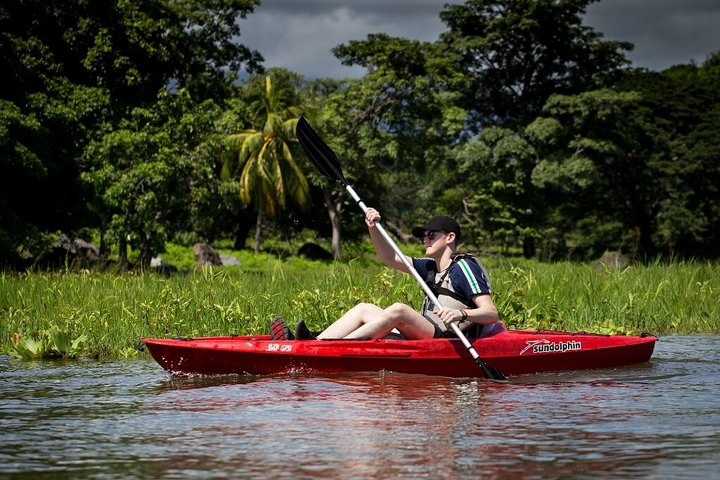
(320, 154)
(490, 372)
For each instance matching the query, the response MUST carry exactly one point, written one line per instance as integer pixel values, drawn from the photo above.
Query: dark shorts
(472, 332)
(440, 334)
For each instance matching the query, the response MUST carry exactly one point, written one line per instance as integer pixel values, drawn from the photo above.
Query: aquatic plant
(50, 343)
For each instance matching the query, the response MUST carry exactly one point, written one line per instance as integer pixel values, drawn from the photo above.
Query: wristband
(464, 315)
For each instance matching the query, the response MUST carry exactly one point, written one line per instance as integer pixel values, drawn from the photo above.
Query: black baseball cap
(440, 222)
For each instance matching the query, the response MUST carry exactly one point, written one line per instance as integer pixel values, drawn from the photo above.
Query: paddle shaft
(426, 288)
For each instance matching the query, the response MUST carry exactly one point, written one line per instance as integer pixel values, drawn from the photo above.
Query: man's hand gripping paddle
(327, 163)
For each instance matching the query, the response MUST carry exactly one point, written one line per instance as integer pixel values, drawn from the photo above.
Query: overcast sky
(299, 34)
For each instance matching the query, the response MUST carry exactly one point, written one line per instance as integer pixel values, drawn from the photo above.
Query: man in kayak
(461, 284)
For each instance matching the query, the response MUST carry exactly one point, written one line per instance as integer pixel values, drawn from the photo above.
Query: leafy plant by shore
(50, 343)
(106, 314)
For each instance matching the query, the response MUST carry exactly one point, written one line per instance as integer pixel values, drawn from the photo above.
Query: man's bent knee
(398, 311)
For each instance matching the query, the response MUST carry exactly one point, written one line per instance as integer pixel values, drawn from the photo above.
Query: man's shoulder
(466, 263)
(465, 256)
(424, 263)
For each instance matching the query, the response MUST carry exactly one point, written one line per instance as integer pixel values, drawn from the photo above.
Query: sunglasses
(431, 236)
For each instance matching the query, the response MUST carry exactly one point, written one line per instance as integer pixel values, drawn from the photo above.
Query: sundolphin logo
(545, 346)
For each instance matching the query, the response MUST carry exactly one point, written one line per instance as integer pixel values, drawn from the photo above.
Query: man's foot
(279, 330)
(302, 332)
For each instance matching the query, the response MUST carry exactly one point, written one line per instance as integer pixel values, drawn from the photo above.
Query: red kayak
(512, 352)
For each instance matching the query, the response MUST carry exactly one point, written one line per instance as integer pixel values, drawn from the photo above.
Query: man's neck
(445, 260)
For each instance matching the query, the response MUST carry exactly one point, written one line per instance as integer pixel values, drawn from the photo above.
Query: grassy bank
(109, 313)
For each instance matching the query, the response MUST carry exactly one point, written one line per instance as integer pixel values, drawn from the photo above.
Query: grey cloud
(378, 8)
(299, 34)
(664, 32)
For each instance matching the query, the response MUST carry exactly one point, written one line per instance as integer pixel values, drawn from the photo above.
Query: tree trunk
(640, 224)
(241, 235)
(258, 228)
(528, 246)
(122, 254)
(395, 230)
(145, 253)
(103, 232)
(334, 209)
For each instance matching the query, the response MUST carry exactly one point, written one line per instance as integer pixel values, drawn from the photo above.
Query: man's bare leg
(351, 321)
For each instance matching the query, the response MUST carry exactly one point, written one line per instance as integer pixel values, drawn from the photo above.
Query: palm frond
(269, 175)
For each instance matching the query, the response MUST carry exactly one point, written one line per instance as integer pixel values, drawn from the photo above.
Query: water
(129, 419)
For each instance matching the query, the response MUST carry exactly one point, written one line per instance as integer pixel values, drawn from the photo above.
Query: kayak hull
(513, 352)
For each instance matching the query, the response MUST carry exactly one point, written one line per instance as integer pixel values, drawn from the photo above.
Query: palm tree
(269, 174)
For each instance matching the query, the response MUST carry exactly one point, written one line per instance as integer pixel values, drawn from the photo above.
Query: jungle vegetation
(136, 124)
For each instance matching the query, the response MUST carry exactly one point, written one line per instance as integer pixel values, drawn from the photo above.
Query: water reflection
(130, 419)
(362, 419)
(432, 424)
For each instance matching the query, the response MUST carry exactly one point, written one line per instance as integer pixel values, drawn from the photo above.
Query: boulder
(86, 249)
(614, 260)
(229, 260)
(76, 248)
(206, 255)
(73, 252)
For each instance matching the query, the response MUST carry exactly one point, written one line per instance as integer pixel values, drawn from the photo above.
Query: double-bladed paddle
(327, 163)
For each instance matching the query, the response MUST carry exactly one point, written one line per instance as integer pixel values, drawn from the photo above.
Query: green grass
(113, 311)
(677, 297)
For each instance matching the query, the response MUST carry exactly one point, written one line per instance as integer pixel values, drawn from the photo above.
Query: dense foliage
(141, 122)
(77, 71)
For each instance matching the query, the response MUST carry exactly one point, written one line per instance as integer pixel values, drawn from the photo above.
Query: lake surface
(130, 419)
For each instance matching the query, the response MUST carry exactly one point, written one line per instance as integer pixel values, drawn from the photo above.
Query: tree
(145, 170)
(395, 123)
(46, 118)
(497, 65)
(499, 205)
(73, 70)
(269, 173)
(597, 152)
(516, 53)
(684, 102)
